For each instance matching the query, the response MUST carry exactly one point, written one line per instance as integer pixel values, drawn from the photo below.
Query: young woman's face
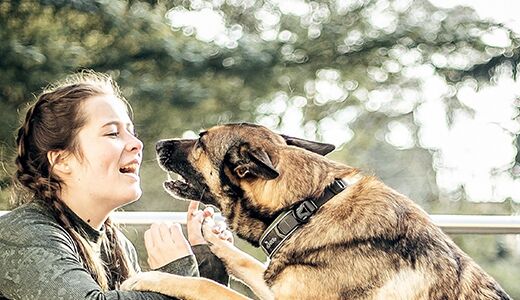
(107, 169)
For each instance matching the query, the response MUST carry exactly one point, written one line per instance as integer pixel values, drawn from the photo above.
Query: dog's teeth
(175, 177)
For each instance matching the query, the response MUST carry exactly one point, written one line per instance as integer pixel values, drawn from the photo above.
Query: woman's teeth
(131, 168)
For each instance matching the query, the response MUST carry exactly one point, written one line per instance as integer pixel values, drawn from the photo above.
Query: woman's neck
(90, 213)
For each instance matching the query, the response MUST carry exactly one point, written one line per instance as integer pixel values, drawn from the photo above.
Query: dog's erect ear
(248, 161)
(316, 147)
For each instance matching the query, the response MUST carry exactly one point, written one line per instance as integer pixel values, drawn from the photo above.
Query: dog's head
(245, 169)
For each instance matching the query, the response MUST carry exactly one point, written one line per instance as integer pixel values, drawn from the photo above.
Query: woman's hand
(164, 244)
(196, 217)
(194, 220)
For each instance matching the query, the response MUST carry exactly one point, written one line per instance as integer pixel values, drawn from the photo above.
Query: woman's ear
(58, 161)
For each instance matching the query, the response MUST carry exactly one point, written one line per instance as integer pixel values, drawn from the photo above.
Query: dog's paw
(207, 230)
(216, 235)
(144, 281)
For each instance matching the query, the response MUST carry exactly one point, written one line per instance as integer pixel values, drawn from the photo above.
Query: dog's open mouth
(181, 188)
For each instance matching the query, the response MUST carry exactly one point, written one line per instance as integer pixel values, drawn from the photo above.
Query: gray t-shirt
(39, 260)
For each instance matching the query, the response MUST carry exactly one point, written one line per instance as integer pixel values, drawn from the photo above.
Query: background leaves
(386, 81)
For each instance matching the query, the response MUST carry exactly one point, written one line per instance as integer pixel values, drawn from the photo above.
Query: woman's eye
(115, 133)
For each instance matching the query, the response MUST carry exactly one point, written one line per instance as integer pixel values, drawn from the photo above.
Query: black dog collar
(287, 222)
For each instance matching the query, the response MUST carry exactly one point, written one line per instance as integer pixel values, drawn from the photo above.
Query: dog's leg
(238, 263)
(189, 288)
(245, 268)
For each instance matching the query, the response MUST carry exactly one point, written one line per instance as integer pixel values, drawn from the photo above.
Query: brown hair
(52, 123)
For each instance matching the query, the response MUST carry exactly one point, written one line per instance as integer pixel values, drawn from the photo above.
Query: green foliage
(275, 59)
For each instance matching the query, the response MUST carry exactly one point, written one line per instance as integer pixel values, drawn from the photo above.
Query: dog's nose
(159, 146)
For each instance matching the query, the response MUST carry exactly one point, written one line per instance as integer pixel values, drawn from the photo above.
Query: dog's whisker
(202, 194)
(149, 161)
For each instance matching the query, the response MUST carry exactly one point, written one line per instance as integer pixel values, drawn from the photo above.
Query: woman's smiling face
(107, 166)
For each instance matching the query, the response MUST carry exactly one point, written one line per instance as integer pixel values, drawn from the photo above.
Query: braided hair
(52, 122)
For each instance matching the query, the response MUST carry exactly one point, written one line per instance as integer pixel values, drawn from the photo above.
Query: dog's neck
(249, 221)
(296, 216)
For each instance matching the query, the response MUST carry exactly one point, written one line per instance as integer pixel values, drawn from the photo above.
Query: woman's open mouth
(130, 168)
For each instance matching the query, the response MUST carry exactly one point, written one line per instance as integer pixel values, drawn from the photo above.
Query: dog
(330, 231)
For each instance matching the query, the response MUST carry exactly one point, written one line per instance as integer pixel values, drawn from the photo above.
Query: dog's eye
(199, 144)
(200, 141)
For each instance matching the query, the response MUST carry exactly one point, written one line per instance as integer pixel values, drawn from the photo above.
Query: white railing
(478, 224)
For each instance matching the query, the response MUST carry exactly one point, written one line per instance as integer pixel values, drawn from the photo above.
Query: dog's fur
(368, 242)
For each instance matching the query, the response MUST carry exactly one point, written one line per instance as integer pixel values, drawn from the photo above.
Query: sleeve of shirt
(48, 268)
(43, 273)
(210, 266)
(184, 266)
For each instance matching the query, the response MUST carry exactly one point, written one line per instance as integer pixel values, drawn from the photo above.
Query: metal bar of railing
(478, 224)
(481, 224)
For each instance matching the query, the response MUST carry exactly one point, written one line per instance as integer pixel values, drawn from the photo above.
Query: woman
(79, 158)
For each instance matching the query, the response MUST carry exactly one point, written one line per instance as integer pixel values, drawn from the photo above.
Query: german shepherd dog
(363, 240)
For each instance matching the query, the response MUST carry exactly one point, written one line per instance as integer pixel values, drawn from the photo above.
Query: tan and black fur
(368, 242)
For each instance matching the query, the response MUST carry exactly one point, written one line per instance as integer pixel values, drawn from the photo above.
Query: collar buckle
(338, 186)
(304, 211)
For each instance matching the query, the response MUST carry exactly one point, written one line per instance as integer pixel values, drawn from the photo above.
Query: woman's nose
(135, 144)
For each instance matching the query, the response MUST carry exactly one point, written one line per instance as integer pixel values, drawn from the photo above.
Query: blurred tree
(351, 72)
(323, 59)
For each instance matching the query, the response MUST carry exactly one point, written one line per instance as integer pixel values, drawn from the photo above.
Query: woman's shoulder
(31, 225)
(32, 212)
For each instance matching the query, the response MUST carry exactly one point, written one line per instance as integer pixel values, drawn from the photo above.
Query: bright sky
(479, 148)
(476, 152)
(505, 11)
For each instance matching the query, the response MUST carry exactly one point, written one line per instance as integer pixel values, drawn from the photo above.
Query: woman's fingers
(194, 221)
(164, 232)
(148, 240)
(164, 244)
(155, 232)
(209, 212)
(175, 232)
(192, 209)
